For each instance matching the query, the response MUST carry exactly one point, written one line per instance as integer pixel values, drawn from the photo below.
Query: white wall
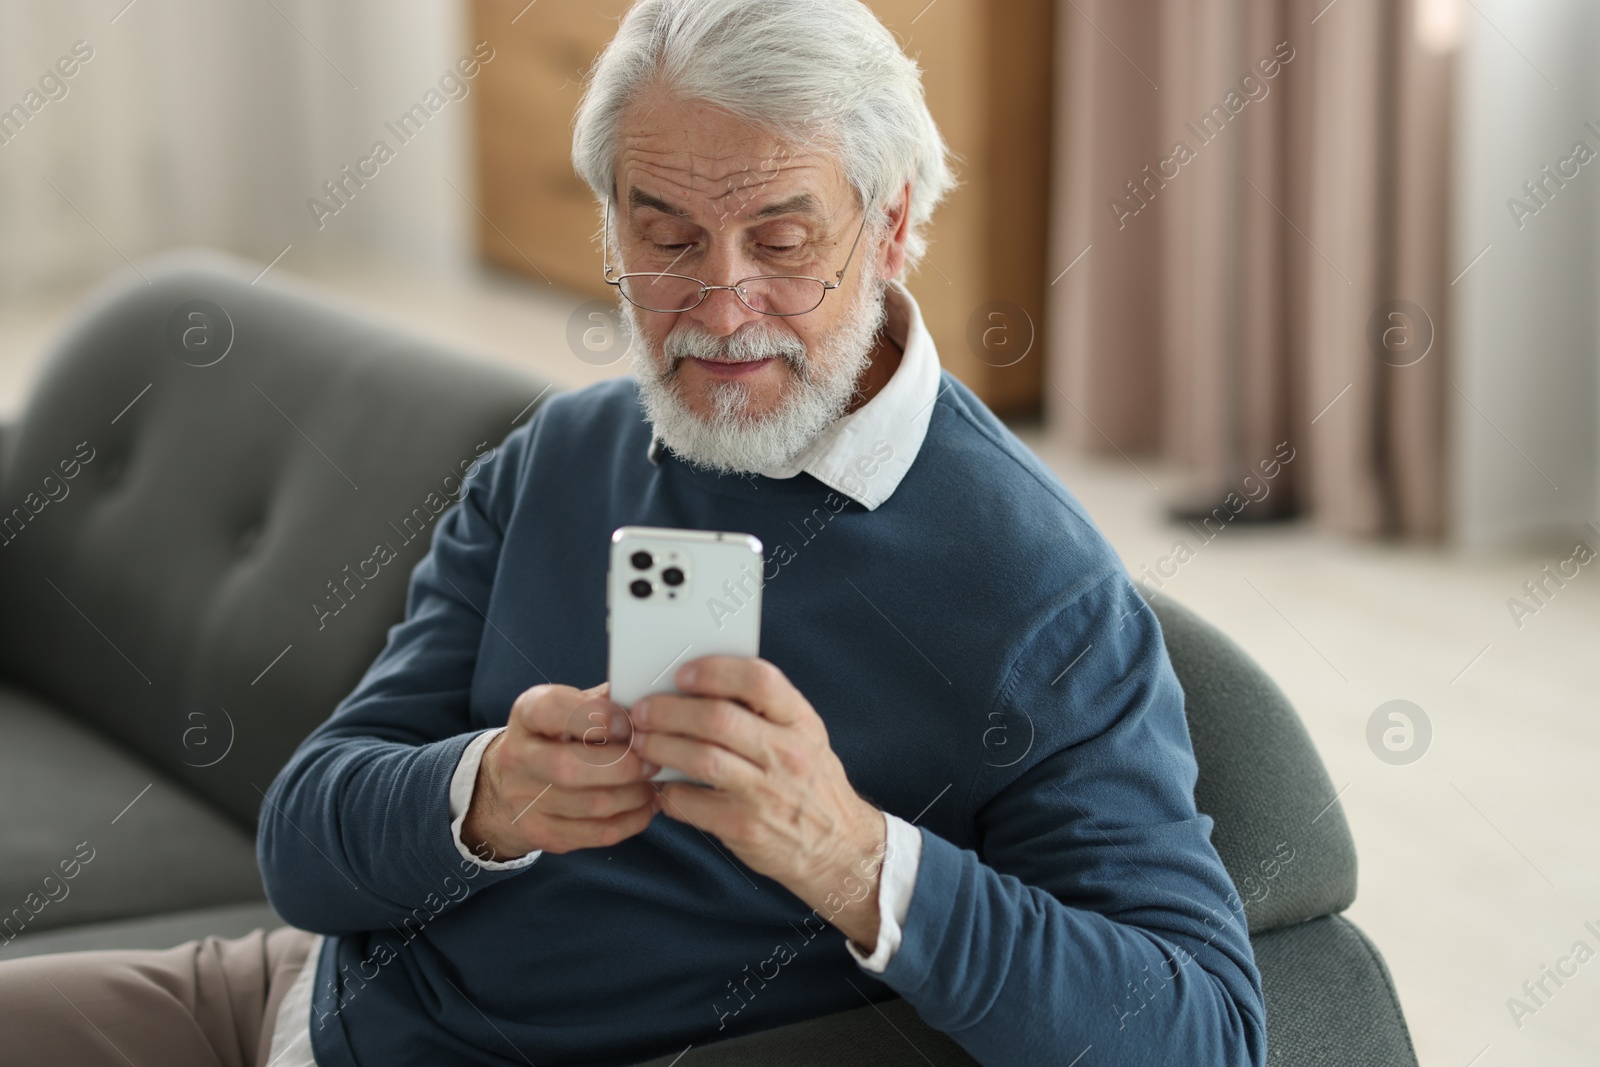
(1526, 331)
(213, 123)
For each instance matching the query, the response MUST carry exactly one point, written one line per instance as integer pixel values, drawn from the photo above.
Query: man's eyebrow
(800, 203)
(639, 198)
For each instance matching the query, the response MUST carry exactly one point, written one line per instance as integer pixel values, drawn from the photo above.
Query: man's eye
(659, 247)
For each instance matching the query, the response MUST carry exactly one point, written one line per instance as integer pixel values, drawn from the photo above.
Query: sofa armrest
(1330, 999)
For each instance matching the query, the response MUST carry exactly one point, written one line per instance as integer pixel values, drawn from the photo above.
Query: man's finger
(571, 834)
(709, 763)
(754, 682)
(560, 711)
(720, 722)
(574, 765)
(598, 803)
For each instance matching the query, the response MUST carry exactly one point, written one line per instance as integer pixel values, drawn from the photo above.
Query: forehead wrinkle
(691, 168)
(673, 189)
(641, 143)
(629, 133)
(739, 171)
(773, 153)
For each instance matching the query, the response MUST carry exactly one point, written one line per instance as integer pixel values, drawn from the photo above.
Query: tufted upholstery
(166, 529)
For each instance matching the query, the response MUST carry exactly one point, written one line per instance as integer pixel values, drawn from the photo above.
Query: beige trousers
(208, 1003)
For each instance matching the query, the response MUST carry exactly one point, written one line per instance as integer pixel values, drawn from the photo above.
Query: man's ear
(892, 256)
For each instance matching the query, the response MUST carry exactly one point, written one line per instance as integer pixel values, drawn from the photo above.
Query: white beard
(730, 441)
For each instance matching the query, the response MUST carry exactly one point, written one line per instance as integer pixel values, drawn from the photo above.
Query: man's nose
(722, 312)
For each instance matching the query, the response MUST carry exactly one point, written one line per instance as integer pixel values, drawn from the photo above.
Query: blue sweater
(984, 666)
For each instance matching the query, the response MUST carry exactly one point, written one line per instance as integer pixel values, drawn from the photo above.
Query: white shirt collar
(865, 454)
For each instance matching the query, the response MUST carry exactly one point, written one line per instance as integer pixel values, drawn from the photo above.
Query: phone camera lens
(641, 560)
(639, 588)
(672, 576)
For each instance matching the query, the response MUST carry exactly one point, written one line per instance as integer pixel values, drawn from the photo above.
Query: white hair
(822, 71)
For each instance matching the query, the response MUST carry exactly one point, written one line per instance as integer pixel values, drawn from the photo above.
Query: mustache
(750, 344)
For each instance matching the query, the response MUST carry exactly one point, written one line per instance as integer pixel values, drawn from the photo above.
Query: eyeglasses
(769, 294)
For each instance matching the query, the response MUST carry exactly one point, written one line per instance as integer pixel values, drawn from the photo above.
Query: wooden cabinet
(987, 74)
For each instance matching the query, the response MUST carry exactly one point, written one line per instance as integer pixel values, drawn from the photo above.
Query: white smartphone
(675, 595)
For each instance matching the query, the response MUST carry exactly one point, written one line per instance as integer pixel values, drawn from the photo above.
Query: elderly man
(959, 773)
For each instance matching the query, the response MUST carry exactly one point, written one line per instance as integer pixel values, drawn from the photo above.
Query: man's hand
(561, 776)
(781, 800)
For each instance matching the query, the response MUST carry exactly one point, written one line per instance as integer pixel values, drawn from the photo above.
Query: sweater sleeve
(355, 831)
(1095, 912)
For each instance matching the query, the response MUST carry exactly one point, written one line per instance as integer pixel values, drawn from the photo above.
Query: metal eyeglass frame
(706, 290)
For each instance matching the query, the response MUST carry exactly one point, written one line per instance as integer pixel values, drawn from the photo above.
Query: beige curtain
(1242, 197)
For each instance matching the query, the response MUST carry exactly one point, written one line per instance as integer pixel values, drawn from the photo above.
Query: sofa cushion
(90, 832)
(155, 931)
(211, 505)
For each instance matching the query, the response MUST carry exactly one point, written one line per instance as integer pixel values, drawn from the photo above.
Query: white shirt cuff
(461, 786)
(896, 880)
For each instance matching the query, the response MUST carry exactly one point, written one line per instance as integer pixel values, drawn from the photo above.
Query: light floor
(1480, 863)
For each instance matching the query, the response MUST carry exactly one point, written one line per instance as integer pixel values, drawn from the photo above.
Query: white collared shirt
(897, 416)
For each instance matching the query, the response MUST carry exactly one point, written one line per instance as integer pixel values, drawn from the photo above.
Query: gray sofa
(190, 510)
(188, 505)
